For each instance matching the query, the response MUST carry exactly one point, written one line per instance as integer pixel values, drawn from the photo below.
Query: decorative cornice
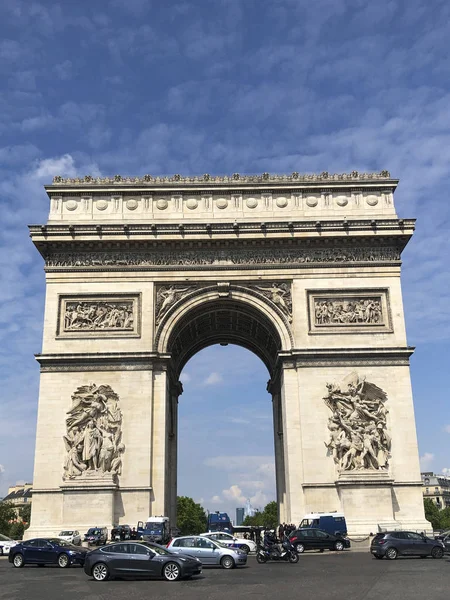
(153, 230)
(236, 179)
(340, 357)
(103, 361)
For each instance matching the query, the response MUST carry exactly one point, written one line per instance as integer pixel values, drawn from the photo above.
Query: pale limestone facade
(246, 260)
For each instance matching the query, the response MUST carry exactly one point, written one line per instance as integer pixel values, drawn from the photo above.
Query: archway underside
(224, 322)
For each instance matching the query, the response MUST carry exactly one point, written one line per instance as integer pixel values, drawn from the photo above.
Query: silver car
(208, 551)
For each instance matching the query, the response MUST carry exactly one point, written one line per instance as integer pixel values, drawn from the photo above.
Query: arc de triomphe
(304, 271)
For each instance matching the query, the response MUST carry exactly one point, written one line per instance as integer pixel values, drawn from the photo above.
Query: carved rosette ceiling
(93, 440)
(359, 439)
(278, 295)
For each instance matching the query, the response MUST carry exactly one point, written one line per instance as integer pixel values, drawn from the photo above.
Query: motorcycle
(287, 553)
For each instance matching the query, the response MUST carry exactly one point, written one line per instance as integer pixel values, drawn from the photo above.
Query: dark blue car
(47, 551)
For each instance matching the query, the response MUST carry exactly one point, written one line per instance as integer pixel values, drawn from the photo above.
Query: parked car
(70, 535)
(229, 540)
(210, 552)
(139, 559)
(443, 537)
(391, 544)
(120, 533)
(6, 544)
(317, 539)
(47, 551)
(96, 536)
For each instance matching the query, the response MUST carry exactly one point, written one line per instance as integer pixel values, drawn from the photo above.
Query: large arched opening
(233, 317)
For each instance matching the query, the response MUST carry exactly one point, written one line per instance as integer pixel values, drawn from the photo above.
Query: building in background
(19, 496)
(437, 488)
(249, 511)
(240, 514)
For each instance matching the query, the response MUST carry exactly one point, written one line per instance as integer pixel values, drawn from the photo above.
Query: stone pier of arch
(142, 273)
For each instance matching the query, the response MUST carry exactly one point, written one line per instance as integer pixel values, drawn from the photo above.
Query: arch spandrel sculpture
(303, 270)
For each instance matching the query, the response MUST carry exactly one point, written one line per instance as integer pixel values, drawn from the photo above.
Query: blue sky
(247, 86)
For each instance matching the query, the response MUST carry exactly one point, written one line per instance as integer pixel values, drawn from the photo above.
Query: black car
(317, 539)
(96, 536)
(391, 544)
(139, 559)
(120, 533)
(445, 538)
(47, 551)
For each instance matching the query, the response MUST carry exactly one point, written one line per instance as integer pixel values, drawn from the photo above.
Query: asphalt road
(343, 576)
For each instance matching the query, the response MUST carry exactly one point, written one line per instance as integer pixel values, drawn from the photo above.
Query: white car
(6, 544)
(70, 535)
(230, 540)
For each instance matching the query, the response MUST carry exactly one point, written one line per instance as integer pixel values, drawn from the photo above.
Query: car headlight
(183, 559)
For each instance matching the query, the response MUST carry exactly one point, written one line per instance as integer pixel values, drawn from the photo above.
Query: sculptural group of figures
(94, 432)
(363, 310)
(214, 257)
(358, 431)
(98, 315)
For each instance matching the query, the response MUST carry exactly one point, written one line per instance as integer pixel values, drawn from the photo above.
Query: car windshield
(64, 533)
(94, 532)
(157, 549)
(3, 538)
(306, 523)
(154, 527)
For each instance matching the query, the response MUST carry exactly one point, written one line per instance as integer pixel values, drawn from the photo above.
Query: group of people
(366, 310)
(98, 315)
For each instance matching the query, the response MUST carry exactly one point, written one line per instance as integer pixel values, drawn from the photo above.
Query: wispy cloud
(426, 460)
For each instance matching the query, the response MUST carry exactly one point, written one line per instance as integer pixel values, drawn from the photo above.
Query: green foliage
(432, 513)
(267, 518)
(191, 517)
(7, 515)
(16, 530)
(25, 515)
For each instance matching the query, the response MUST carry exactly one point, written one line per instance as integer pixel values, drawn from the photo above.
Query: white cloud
(446, 471)
(2, 469)
(216, 499)
(213, 379)
(185, 377)
(447, 428)
(426, 460)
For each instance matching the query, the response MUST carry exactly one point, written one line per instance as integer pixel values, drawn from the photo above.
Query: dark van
(333, 523)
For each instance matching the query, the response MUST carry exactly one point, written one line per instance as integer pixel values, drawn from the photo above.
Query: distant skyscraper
(249, 511)
(240, 514)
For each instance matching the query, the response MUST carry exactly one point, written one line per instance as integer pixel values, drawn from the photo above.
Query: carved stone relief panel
(167, 295)
(279, 294)
(245, 257)
(106, 315)
(359, 438)
(93, 437)
(349, 311)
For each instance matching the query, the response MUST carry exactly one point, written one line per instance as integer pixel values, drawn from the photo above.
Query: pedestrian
(281, 531)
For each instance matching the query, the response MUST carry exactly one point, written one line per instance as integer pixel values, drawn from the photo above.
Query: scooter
(287, 553)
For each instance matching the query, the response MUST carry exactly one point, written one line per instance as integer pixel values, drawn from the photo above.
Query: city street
(349, 576)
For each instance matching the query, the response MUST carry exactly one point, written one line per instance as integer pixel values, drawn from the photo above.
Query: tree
(191, 517)
(267, 518)
(432, 513)
(7, 515)
(16, 530)
(25, 515)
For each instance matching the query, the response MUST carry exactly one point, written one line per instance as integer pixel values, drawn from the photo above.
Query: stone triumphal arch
(304, 271)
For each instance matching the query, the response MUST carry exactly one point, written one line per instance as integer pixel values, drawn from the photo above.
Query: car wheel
(339, 546)
(100, 572)
(245, 549)
(18, 561)
(300, 548)
(171, 572)
(391, 553)
(63, 561)
(227, 562)
(437, 552)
